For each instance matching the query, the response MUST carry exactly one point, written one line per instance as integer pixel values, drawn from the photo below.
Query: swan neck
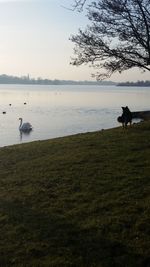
(20, 122)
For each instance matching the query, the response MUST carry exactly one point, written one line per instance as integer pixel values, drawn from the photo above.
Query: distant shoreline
(7, 79)
(138, 84)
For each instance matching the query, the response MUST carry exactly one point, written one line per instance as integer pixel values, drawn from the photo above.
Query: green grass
(78, 201)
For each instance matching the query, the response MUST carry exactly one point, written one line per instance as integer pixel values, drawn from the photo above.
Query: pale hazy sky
(34, 39)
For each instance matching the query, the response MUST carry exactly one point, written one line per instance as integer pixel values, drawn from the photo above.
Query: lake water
(56, 111)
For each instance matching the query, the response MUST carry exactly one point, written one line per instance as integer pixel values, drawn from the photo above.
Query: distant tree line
(6, 79)
(138, 83)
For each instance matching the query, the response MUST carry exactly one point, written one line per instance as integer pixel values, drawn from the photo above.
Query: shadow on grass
(33, 238)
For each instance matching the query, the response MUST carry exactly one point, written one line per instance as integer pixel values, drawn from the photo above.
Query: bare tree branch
(79, 4)
(118, 37)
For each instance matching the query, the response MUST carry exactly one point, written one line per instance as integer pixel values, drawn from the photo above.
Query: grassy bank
(81, 201)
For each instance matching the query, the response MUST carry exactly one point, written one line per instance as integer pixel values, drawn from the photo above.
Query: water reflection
(25, 134)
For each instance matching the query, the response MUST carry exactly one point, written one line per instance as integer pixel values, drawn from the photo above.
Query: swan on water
(25, 127)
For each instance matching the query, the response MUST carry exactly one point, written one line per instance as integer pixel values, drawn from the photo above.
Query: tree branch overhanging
(118, 37)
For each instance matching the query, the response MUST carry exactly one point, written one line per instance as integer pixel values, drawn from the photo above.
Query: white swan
(25, 127)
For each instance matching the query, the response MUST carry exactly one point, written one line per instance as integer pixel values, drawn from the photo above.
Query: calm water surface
(56, 111)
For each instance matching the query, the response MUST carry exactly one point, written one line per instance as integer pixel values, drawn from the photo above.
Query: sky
(34, 40)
